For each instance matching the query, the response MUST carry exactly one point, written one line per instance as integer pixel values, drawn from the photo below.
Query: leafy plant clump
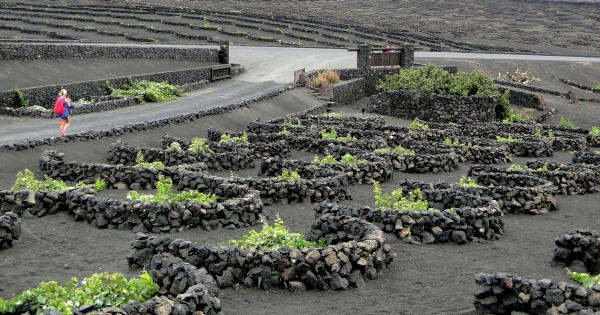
(509, 139)
(20, 98)
(433, 80)
(164, 193)
(226, 138)
(273, 237)
(27, 181)
(515, 118)
(584, 278)
(417, 125)
(148, 91)
(99, 290)
(332, 135)
(351, 159)
(566, 123)
(199, 145)
(174, 146)
(140, 162)
(98, 185)
(396, 200)
(596, 88)
(289, 175)
(291, 123)
(325, 77)
(468, 182)
(284, 131)
(595, 131)
(517, 167)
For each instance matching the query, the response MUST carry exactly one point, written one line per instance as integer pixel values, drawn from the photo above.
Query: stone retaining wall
(357, 251)
(348, 92)
(582, 245)
(26, 51)
(99, 106)
(121, 153)
(586, 157)
(10, 229)
(524, 99)
(458, 226)
(45, 96)
(437, 108)
(505, 293)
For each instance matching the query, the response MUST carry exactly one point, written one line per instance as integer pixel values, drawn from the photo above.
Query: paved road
(267, 69)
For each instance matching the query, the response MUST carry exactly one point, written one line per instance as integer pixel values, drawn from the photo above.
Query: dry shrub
(324, 77)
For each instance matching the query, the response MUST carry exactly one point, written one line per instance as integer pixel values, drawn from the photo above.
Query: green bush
(433, 80)
(164, 193)
(290, 123)
(284, 131)
(141, 163)
(402, 151)
(566, 123)
(226, 138)
(585, 279)
(595, 131)
(468, 182)
(510, 139)
(20, 98)
(149, 91)
(99, 185)
(351, 159)
(332, 135)
(199, 145)
(396, 200)
(174, 146)
(289, 175)
(417, 125)
(274, 237)
(518, 167)
(596, 88)
(27, 181)
(99, 290)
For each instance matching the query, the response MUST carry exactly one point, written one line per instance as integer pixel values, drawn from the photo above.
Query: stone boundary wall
(459, 226)
(437, 108)
(441, 196)
(524, 99)
(570, 181)
(26, 51)
(357, 251)
(308, 119)
(45, 96)
(87, 135)
(528, 147)
(582, 245)
(10, 229)
(573, 168)
(530, 88)
(505, 293)
(99, 106)
(477, 152)
(121, 153)
(360, 173)
(137, 216)
(348, 92)
(257, 149)
(586, 157)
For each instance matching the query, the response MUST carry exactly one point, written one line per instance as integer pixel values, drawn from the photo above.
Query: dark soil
(422, 279)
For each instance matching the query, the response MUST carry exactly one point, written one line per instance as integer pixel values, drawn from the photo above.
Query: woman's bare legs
(67, 123)
(62, 126)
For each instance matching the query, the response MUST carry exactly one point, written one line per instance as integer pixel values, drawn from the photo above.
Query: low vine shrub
(594, 131)
(468, 182)
(347, 158)
(199, 145)
(289, 175)
(99, 290)
(164, 194)
(566, 123)
(227, 138)
(27, 181)
(332, 135)
(510, 139)
(584, 278)
(148, 91)
(140, 162)
(273, 237)
(396, 200)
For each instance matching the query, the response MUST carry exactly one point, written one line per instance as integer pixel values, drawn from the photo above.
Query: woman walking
(64, 118)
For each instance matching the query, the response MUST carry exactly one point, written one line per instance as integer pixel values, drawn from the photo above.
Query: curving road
(267, 69)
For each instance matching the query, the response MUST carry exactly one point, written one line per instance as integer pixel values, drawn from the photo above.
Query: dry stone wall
(437, 108)
(10, 229)
(505, 293)
(581, 245)
(257, 149)
(357, 251)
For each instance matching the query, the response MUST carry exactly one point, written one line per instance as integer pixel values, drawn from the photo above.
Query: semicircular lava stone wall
(357, 251)
(581, 245)
(10, 229)
(257, 149)
(466, 224)
(505, 293)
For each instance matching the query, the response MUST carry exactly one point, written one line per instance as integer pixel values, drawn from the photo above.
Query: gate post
(363, 57)
(407, 57)
(224, 52)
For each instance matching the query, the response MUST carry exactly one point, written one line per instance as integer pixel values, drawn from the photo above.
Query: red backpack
(59, 107)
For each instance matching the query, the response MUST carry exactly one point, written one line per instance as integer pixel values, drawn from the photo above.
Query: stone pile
(357, 251)
(10, 229)
(505, 293)
(459, 226)
(121, 153)
(582, 245)
(587, 158)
